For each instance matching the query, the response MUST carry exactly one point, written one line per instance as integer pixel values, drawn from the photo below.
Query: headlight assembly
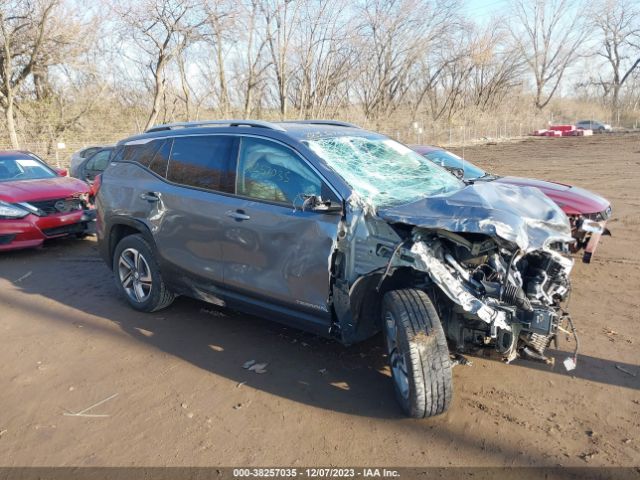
(11, 211)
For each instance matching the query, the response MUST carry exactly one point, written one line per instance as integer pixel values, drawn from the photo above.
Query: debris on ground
(624, 370)
(322, 371)
(190, 415)
(2, 432)
(259, 367)
(238, 385)
(569, 364)
(459, 359)
(184, 405)
(83, 413)
(248, 364)
(25, 276)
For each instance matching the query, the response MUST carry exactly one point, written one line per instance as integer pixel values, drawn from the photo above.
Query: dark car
(587, 211)
(38, 203)
(342, 232)
(93, 165)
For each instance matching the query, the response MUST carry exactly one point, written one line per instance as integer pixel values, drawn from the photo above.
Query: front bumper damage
(588, 233)
(494, 261)
(32, 230)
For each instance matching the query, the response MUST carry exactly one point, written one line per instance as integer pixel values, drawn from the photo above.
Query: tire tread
(431, 384)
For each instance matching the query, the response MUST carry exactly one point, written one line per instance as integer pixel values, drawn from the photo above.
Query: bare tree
(394, 36)
(617, 25)
(161, 29)
(221, 33)
(547, 33)
(497, 67)
(282, 19)
(323, 56)
(250, 63)
(24, 37)
(66, 81)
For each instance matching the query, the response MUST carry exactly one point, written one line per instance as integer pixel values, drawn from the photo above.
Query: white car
(593, 125)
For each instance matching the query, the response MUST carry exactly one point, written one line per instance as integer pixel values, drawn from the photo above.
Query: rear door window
(201, 161)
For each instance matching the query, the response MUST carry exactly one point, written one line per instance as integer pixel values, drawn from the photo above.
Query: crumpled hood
(573, 200)
(41, 189)
(522, 215)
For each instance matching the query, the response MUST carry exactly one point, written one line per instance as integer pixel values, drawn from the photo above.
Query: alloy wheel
(135, 275)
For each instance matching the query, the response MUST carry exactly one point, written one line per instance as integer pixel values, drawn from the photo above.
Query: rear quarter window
(139, 153)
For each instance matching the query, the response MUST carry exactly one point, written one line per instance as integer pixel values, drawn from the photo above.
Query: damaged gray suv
(342, 232)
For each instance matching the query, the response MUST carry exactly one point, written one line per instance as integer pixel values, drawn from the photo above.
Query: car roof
(297, 129)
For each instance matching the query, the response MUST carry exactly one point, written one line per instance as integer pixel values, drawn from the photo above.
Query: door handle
(238, 215)
(149, 196)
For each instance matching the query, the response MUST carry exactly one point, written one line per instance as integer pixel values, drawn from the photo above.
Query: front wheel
(138, 277)
(418, 353)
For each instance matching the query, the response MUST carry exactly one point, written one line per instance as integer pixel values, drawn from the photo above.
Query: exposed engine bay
(495, 297)
(497, 283)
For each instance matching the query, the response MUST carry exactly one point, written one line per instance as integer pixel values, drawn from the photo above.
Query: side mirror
(62, 172)
(315, 203)
(456, 172)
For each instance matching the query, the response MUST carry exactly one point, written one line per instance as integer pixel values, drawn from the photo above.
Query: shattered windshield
(383, 171)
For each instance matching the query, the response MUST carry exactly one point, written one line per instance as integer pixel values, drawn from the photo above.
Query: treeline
(65, 65)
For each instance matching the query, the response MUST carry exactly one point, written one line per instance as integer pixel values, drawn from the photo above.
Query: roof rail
(206, 123)
(334, 123)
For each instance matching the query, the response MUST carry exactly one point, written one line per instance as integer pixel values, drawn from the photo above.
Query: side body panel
(280, 254)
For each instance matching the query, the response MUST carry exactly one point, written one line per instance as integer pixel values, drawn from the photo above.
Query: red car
(587, 212)
(38, 203)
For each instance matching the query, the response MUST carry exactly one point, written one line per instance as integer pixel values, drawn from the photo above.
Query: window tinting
(200, 161)
(269, 171)
(161, 159)
(142, 154)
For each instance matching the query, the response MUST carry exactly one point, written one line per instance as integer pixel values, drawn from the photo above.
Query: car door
(274, 252)
(189, 210)
(95, 165)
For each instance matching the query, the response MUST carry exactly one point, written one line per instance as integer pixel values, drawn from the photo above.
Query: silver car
(594, 125)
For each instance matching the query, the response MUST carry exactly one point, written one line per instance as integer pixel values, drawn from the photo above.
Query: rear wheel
(418, 353)
(138, 277)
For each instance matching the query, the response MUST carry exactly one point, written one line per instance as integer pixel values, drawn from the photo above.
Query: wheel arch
(120, 228)
(366, 296)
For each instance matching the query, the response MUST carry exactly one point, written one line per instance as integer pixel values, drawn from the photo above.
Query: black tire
(421, 348)
(157, 296)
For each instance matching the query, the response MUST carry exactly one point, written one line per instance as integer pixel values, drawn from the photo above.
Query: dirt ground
(67, 342)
